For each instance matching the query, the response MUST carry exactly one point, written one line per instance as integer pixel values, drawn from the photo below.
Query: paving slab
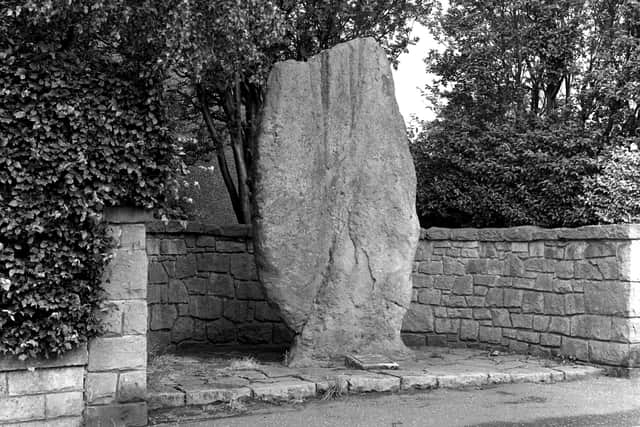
(213, 378)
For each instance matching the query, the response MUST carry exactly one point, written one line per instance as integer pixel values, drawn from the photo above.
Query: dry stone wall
(203, 288)
(572, 292)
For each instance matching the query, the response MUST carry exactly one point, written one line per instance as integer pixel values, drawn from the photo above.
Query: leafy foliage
(535, 100)
(79, 131)
(222, 51)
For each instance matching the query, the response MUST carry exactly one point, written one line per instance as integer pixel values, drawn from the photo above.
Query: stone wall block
(423, 251)
(67, 404)
(550, 340)
(447, 326)
(45, 380)
(544, 282)
(243, 267)
(153, 246)
(533, 302)
(431, 267)
(522, 320)
(22, 408)
(561, 325)
(221, 285)
(596, 249)
(125, 277)
(563, 286)
(173, 247)
(162, 316)
(157, 273)
(422, 281)
(452, 266)
(182, 330)
(206, 241)
(134, 317)
(469, 330)
(536, 249)
(475, 301)
(610, 353)
(523, 283)
(575, 347)
(186, 266)
(231, 246)
(419, 318)
(625, 330)
(110, 314)
(444, 282)
(541, 323)
(495, 297)
(587, 270)
(460, 313)
(205, 307)
(255, 333)
(100, 387)
(513, 297)
(554, 304)
(477, 266)
(120, 414)
(528, 336)
(454, 301)
(564, 269)
(490, 335)
(266, 313)
(249, 290)
(127, 352)
(132, 386)
(481, 313)
(500, 317)
(177, 292)
(574, 303)
(429, 296)
(628, 256)
(608, 267)
(606, 297)
(213, 262)
(237, 311)
(590, 326)
(221, 331)
(197, 286)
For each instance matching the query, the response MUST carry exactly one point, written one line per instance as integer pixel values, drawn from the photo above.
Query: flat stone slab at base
(369, 361)
(184, 382)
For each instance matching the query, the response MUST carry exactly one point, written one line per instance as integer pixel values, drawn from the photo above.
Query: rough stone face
(335, 225)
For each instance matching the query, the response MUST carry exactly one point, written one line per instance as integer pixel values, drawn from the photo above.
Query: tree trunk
(220, 154)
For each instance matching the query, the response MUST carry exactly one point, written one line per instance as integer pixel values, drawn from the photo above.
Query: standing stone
(335, 224)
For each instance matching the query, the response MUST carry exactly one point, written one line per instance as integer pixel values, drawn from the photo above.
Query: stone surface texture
(335, 223)
(217, 300)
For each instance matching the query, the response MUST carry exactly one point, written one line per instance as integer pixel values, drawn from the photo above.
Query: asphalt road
(596, 402)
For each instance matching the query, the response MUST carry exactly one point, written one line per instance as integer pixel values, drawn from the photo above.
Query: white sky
(411, 76)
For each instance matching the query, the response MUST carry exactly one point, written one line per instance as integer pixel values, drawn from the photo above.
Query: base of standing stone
(305, 356)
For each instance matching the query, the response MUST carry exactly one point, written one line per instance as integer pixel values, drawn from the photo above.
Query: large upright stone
(335, 222)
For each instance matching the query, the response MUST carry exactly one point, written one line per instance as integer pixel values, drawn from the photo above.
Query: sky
(411, 77)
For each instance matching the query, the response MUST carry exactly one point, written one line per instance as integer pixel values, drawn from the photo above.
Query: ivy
(76, 135)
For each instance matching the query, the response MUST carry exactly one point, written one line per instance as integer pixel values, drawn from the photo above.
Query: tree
(532, 82)
(221, 52)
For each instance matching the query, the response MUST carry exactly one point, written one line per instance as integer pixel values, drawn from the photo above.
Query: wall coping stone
(126, 215)
(192, 227)
(76, 357)
(532, 233)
